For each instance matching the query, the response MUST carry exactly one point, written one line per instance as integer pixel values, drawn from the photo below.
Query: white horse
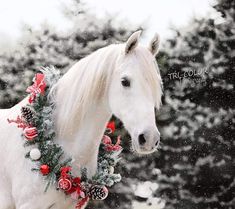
(121, 79)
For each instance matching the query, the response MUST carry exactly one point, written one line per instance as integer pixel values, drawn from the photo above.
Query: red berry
(45, 169)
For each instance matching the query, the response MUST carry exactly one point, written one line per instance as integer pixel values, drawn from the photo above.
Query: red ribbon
(82, 202)
(37, 88)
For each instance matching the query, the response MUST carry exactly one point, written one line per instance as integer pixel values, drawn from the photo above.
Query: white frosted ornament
(35, 154)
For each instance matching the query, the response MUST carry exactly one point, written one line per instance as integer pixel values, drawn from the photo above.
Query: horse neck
(83, 141)
(83, 144)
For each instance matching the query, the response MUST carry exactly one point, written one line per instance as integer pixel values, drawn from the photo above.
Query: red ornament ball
(65, 184)
(45, 169)
(30, 133)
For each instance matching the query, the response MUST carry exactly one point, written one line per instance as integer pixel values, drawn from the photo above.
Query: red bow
(37, 88)
(109, 146)
(76, 187)
(64, 172)
(111, 126)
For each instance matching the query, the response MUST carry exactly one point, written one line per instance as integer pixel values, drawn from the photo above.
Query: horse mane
(84, 84)
(88, 80)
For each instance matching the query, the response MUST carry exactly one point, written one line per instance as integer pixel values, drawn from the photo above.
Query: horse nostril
(142, 140)
(157, 143)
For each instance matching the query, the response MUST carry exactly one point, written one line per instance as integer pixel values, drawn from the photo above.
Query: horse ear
(132, 41)
(154, 44)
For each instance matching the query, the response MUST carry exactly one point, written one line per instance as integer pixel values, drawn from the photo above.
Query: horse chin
(139, 151)
(143, 152)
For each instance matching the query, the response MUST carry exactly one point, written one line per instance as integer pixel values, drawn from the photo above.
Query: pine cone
(98, 192)
(27, 114)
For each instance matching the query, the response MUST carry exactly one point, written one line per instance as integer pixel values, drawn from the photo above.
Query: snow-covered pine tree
(198, 129)
(49, 47)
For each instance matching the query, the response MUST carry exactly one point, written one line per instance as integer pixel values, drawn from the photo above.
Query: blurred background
(195, 165)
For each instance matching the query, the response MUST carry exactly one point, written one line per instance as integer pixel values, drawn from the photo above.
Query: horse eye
(126, 82)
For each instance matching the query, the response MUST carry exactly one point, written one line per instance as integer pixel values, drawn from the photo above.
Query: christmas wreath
(48, 156)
